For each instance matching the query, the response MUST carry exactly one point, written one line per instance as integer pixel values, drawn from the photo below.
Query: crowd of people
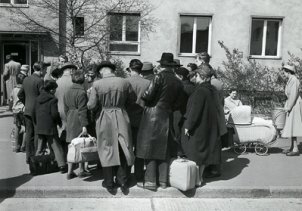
(143, 120)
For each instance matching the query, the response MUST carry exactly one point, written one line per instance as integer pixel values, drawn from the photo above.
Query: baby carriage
(251, 133)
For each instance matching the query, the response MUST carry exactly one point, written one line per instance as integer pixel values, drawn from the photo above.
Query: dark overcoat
(75, 106)
(46, 116)
(31, 89)
(162, 98)
(202, 122)
(113, 128)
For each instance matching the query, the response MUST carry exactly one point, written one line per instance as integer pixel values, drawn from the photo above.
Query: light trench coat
(293, 121)
(112, 94)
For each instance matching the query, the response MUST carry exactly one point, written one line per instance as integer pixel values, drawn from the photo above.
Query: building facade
(264, 30)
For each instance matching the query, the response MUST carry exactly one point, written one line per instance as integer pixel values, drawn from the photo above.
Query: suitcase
(82, 149)
(42, 164)
(183, 174)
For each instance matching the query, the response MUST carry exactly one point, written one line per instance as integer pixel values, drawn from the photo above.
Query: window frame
(195, 16)
(124, 41)
(264, 35)
(12, 4)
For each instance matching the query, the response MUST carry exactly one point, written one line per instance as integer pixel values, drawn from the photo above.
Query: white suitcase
(184, 174)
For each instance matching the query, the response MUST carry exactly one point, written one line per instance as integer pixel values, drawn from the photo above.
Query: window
(14, 2)
(265, 38)
(124, 33)
(78, 26)
(195, 34)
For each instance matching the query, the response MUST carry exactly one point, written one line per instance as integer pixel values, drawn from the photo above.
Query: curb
(135, 192)
(3, 115)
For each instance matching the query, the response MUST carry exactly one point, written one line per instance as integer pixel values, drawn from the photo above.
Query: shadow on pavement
(8, 186)
(231, 166)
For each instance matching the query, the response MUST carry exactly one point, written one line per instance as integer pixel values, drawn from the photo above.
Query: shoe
(63, 169)
(150, 186)
(84, 174)
(71, 176)
(163, 185)
(125, 189)
(22, 149)
(110, 189)
(293, 154)
(285, 151)
(140, 184)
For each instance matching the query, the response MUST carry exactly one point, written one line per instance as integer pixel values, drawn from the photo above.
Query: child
(47, 118)
(18, 108)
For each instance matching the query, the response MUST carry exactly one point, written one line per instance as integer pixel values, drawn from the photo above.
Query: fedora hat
(177, 62)
(167, 59)
(106, 64)
(290, 68)
(68, 65)
(147, 66)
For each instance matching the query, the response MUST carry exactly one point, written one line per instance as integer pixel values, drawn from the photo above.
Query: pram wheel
(261, 149)
(240, 149)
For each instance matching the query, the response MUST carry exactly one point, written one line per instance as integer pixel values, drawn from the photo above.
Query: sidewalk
(243, 176)
(4, 112)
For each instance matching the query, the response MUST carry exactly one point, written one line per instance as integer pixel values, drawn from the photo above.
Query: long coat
(75, 107)
(293, 121)
(64, 84)
(11, 70)
(162, 97)
(113, 94)
(202, 122)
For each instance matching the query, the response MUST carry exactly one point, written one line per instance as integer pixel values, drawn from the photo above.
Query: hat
(184, 72)
(290, 68)
(205, 70)
(68, 65)
(147, 66)
(55, 70)
(177, 62)
(167, 59)
(106, 64)
(24, 69)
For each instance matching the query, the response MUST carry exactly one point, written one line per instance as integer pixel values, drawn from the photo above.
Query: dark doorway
(18, 50)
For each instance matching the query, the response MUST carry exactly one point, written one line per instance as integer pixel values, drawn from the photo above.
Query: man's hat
(68, 65)
(106, 64)
(177, 62)
(167, 59)
(136, 64)
(290, 68)
(147, 66)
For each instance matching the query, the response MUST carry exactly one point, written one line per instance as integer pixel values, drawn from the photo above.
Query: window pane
(271, 47)
(79, 26)
(186, 36)
(132, 28)
(116, 27)
(256, 37)
(5, 1)
(123, 47)
(202, 36)
(20, 1)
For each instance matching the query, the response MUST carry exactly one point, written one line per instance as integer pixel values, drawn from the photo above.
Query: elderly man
(154, 136)
(147, 71)
(135, 111)
(113, 129)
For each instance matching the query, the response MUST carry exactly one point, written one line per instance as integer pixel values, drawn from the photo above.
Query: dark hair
(231, 89)
(204, 56)
(136, 65)
(78, 76)
(37, 66)
(184, 72)
(193, 66)
(50, 85)
(20, 77)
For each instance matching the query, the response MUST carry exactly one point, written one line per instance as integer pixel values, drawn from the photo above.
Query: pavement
(243, 176)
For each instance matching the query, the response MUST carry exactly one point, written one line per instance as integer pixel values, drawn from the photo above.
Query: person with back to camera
(75, 108)
(293, 107)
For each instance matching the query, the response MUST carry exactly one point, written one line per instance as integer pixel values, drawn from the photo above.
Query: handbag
(82, 149)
